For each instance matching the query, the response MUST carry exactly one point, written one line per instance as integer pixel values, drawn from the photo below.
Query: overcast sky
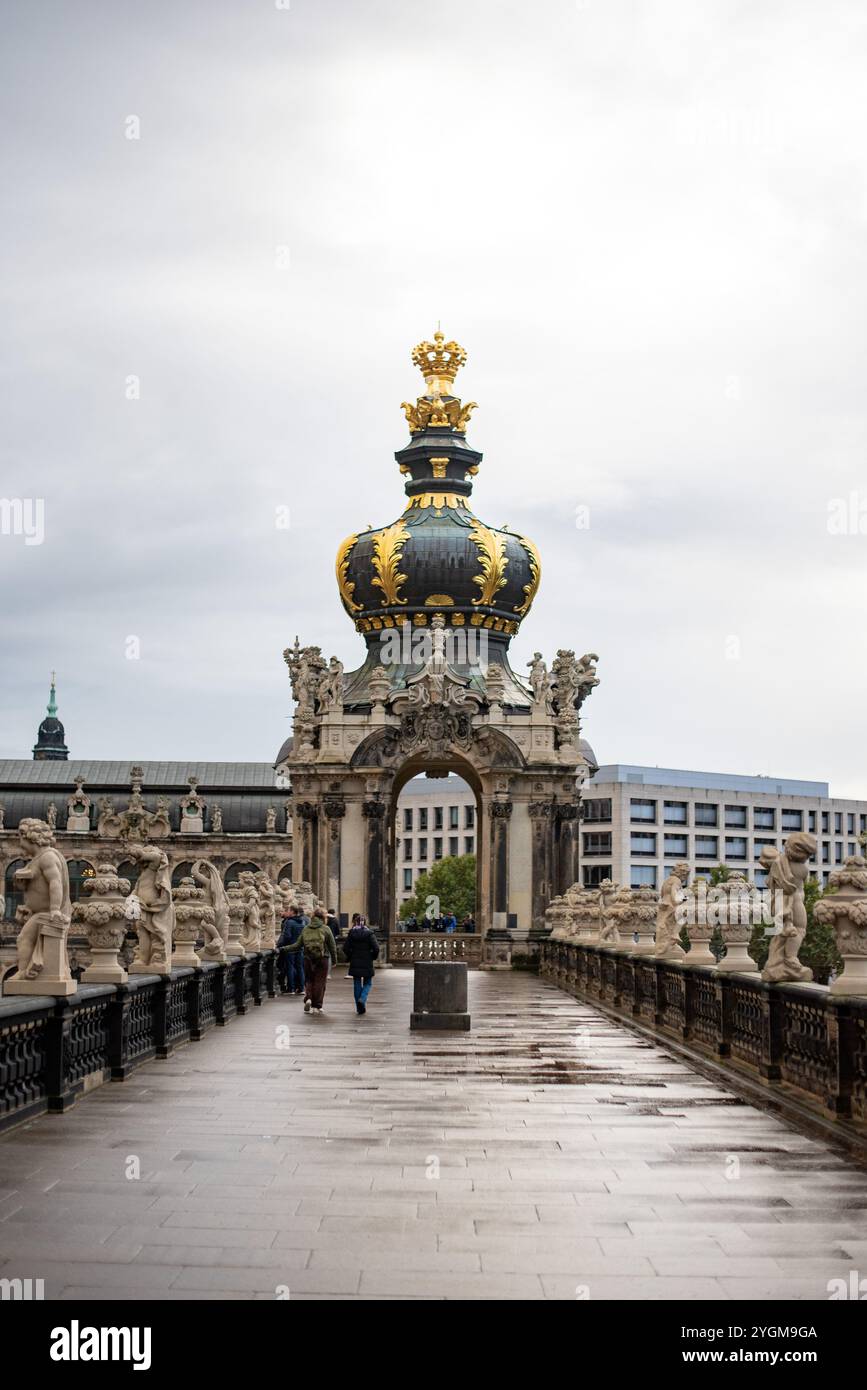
(646, 222)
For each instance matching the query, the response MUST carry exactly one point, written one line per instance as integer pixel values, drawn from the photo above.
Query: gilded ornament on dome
(387, 547)
(439, 601)
(345, 585)
(531, 589)
(493, 559)
(437, 499)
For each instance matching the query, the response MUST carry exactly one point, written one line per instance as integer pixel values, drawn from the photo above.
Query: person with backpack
(317, 942)
(361, 949)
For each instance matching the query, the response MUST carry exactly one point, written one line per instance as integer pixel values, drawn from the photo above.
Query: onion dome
(50, 743)
(438, 557)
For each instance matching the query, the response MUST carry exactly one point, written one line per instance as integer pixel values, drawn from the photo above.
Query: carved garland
(387, 547)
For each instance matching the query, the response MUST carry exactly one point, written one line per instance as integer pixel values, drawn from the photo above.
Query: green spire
(52, 699)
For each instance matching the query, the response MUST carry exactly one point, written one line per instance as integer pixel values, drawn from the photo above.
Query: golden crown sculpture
(439, 362)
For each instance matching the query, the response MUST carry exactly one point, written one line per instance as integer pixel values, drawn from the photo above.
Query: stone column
(541, 815)
(566, 823)
(335, 810)
(376, 875)
(500, 812)
(305, 821)
(104, 925)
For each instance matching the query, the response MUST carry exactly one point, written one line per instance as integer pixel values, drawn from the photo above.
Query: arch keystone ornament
(437, 595)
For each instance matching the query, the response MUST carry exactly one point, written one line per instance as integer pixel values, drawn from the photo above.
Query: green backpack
(314, 942)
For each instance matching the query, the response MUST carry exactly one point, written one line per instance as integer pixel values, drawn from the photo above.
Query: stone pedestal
(55, 977)
(439, 997)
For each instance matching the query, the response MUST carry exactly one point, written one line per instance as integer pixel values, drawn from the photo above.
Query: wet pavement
(549, 1153)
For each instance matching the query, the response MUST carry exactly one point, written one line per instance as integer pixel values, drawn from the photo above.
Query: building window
(469, 817)
(850, 848)
(453, 845)
(407, 880)
(454, 817)
(838, 853)
(640, 809)
(407, 818)
(850, 822)
(838, 822)
(863, 824)
(705, 813)
(438, 817)
(407, 849)
(422, 818)
(826, 852)
(764, 818)
(597, 808)
(642, 844)
(792, 820)
(598, 842)
(676, 844)
(736, 847)
(759, 845)
(811, 822)
(736, 817)
(438, 847)
(760, 878)
(826, 822)
(468, 844)
(642, 875)
(422, 849)
(594, 874)
(675, 812)
(706, 846)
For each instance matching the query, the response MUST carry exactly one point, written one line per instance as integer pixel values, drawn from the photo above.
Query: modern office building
(436, 818)
(639, 821)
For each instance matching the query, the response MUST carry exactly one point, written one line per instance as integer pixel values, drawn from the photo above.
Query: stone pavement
(550, 1153)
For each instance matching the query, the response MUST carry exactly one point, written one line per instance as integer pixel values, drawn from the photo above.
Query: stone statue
(2, 816)
(331, 687)
(538, 678)
(51, 817)
(250, 934)
(437, 684)
(270, 821)
(207, 876)
(787, 874)
(671, 896)
(267, 911)
(217, 820)
(192, 809)
(43, 965)
(608, 933)
(157, 916)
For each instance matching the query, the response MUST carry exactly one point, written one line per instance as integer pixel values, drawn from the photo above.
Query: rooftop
(706, 781)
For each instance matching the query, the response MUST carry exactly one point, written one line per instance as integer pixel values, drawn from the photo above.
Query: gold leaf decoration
(531, 589)
(493, 558)
(387, 547)
(437, 499)
(345, 585)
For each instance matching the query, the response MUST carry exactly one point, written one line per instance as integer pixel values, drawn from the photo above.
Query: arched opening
(436, 813)
(13, 893)
(79, 870)
(180, 871)
(234, 872)
(285, 872)
(129, 870)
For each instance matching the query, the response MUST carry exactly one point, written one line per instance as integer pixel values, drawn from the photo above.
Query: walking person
(361, 949)
(317, 942)
(292, 927)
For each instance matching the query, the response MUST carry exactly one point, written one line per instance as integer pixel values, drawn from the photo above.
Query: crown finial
(439, 363)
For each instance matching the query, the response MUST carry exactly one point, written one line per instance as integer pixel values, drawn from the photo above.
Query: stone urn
(191, 913)
(584, 905)
(846, 911)
(635, 911)
(102, 920)
(736, 907)
(558, 918)
(699, 926)
(237, 913)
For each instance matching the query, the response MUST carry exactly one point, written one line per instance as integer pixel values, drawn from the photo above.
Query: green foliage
(452, 881)
(819, 950)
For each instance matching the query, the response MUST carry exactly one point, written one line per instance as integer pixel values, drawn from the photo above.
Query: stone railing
(53, 1050)
(405, 948)
(803, 1041)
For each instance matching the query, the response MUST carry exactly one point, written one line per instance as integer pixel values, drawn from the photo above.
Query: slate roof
(101, 773)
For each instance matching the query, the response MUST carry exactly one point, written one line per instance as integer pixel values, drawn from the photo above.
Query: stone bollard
(439, 999)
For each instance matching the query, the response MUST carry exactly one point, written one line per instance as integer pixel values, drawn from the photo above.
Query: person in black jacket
(361, 949)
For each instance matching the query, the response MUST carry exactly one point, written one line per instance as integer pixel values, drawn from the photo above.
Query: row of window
(419, 814)
(641, 809)
(453, 850)
(647, 875)
(599, 844)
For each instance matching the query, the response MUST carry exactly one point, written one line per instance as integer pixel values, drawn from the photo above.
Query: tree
(450, 883)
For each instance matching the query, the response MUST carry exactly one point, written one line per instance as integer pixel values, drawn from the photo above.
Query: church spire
(50, 743)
